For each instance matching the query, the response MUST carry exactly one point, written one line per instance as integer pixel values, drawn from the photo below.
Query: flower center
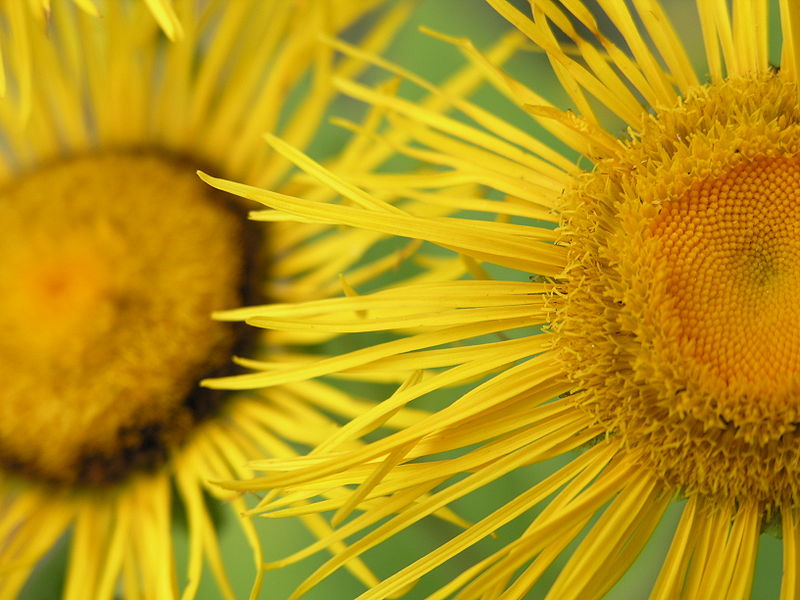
(110, 266)
(678, 317)
(731, 249)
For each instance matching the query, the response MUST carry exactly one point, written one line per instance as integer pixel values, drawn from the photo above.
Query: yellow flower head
(113, 256)
(681, 281)
(649, 321)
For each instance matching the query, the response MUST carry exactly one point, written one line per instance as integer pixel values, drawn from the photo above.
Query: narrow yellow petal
(326, 177)
(668, 43)
(392, 460)
(790, 586)
(574, 77)
(741, 580)
(164, 13)
(114, 551)
(504, 132)
(578, 578)
(451, 233)
(621, 16)
(711, 535)
(730, 564)
(671, 577)
(88, 6)
(89, 543)
(411, 574)
(710, 40)
(588, 503)
(202, 538)
(790, 29)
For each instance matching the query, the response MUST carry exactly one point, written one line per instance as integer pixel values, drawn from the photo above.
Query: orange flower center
(731, 247)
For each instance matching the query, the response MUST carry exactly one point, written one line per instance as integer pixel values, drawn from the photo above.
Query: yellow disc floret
(731, 249)
(110, 266)
(679, 314)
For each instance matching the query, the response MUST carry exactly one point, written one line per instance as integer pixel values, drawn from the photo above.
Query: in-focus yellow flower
(650, 320)
(113, 255)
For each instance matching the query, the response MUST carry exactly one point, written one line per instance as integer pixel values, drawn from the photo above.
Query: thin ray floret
(650, 333)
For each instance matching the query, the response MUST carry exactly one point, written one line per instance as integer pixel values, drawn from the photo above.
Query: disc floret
(680, 319)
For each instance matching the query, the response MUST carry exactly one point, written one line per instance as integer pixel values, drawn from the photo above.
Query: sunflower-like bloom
(112, 257)
(647, 303)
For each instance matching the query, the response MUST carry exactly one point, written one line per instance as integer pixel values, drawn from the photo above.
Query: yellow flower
(649, 320)
(112, 257)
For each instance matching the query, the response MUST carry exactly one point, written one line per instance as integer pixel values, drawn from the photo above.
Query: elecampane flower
(648, 329)
(112, 258)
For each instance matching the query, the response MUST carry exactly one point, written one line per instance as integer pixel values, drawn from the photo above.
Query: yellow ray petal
(530, 257)
(790, 29)
(164, 13)
(671, 577)
(790, 586)
(668, 43)
(578, 578)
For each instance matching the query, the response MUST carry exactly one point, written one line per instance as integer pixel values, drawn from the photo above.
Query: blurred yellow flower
(654, 346)
(25, 18)
(113, 256)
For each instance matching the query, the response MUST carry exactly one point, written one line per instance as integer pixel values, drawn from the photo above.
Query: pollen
(678, 317)
(110, 266)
